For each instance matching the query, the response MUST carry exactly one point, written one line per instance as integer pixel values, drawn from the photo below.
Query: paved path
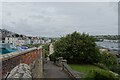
(53, 71)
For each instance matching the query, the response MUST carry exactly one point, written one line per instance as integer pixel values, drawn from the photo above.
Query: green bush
(46, 50)
(100, 65)
(100, 75)
(32, 45)
(116, 69)
(109, 60)
(52, 57)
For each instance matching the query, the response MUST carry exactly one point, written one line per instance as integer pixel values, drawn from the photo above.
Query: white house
(51, 49)
(12, 40)
(21, 42)
(27, 41)
(42, 41)
(48, 41)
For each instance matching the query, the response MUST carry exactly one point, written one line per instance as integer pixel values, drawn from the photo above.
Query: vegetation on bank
(84, 68)
(46, 49)
(91, 72)
(102, 69)
(101, 75)
(81, 49)
(32, 45)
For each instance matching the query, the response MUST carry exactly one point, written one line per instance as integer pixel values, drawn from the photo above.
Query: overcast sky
(53, 19)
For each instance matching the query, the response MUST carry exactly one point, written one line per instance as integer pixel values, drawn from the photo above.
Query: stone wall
(11, 60)
(21, 71)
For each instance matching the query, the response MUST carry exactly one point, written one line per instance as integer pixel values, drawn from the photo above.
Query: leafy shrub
(100, 65)
(32, 45)
(108, 59)
(100, 75)
(52, 57)
(46, 50)
(116, 69)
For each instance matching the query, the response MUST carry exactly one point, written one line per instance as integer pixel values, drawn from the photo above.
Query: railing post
(63, 62)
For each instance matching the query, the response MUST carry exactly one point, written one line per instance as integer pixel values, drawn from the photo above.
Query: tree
(30, 37)
(77, 48)
(16, 35)
(21, 35)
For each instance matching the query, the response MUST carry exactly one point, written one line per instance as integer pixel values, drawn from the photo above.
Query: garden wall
(11, 60)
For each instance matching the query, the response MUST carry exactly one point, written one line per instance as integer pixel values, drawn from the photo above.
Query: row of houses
(20, 41)
(16, 39)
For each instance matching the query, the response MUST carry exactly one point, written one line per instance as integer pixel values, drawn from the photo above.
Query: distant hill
(109, 37)
(6, 33)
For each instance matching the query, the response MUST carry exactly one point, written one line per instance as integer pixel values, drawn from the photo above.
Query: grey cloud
(55, 19)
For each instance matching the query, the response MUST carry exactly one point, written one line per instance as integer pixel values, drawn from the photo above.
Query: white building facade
(51, 49)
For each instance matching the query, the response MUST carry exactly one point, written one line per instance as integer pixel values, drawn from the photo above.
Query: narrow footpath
(53, 71)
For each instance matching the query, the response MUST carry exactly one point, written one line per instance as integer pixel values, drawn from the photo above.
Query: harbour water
(112, 46)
